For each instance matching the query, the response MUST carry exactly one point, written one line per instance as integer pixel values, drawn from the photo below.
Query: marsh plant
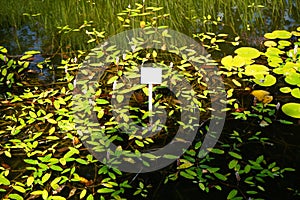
(42, 155)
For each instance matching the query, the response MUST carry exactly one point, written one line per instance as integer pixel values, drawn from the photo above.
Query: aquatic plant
(43, 156)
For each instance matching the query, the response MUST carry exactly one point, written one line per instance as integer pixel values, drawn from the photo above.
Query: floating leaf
(292, 109)
(247, 52)
(270, 43)
(284, 43)
(285, 89)
(293, 79)
(256, 69)
(265, 81)
(295, 92)
(282, 34)
(270, 36)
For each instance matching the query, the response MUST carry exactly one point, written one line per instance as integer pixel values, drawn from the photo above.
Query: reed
(44, 16)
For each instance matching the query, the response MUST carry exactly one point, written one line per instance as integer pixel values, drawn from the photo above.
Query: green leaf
(105, 190)
(235, 155)
(15, 196)
(52, 121)
(32, 114)
(19, 188)
(220, 176)
(216, 151)
(45, 194)
(24, 57)
(30, 180)
(232, 194)
(46, 177)
(81, 161)
(4, 72)
(58, 198)
(4, 180)
(236, 83)
(112, 79)
(296, 93)
(232, 164)
(186, 175)
(32, 52)
(90, 197)
(56, 104)
(102, 101)
(52, 138)
(56, 168)
(185, 165)
(82, 194)
(139, 143)
(120, 98)
(31, 161)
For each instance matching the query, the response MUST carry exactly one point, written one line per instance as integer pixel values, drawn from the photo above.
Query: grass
(44, 16)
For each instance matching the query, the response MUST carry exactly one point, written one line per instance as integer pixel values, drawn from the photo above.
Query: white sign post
(150, 76)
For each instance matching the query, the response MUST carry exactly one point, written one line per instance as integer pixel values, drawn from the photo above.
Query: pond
(45, 152)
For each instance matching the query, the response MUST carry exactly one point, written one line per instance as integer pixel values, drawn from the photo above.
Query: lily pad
(293, 79)
(284, 43)
(296, 33)
(236, 61)
(272, 51)
(275, 61)
(285, 89)
(291, 109)
(282, 34)
(248, 52)
(270, 36)
(265, 81)
(296, 92)
(256, 69)
(270, 43)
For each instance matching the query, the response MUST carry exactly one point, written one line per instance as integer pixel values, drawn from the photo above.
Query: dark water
(286, 151)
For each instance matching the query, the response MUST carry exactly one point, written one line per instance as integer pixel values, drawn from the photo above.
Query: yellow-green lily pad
(291, 109)
(270, 43)
(275, 61)
(296, 33)
(265, 81)
(295, 93)
(248, 52)
(293, 78)
(270, 36)
(285, 90)
(284, 43)
(256, 69)
(282, 34)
